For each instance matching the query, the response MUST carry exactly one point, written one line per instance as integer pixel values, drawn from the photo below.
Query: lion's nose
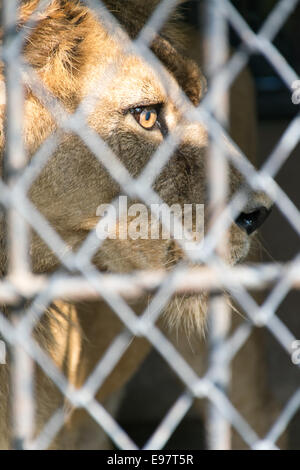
(251, 221)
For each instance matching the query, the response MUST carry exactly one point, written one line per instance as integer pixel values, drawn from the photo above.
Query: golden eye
(146, 117)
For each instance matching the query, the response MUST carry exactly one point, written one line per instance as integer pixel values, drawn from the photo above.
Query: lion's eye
(146, 117)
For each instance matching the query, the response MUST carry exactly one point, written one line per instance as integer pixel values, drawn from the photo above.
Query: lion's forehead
(128, 81)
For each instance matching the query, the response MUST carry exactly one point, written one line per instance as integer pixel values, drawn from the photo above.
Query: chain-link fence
(26, 295)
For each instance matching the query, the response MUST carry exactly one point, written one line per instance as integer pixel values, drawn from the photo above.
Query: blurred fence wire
(84, 281)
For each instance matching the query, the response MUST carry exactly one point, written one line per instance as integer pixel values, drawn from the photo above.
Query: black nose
(253, 220)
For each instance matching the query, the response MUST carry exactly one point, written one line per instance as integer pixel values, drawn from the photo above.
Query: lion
(132, 108)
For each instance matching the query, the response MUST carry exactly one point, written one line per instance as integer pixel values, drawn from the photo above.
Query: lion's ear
(186, 71)
(55, 47)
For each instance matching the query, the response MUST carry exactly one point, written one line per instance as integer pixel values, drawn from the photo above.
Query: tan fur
(70, 51)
